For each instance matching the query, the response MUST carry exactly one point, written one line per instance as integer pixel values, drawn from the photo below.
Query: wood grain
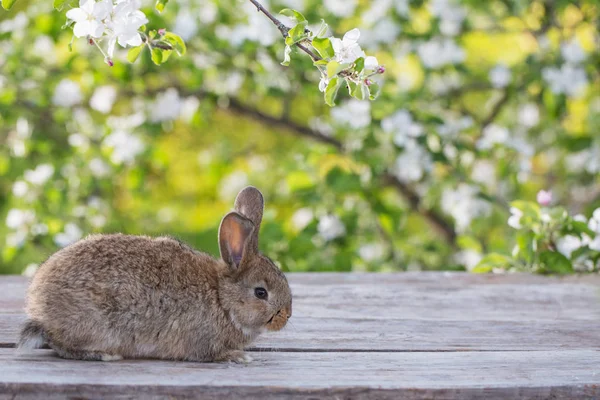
(411, 375)
(362, 336)
(345, 334)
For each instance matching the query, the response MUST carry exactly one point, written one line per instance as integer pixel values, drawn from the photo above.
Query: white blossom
(166, 107)
(30, 270)
(412, 164)
(347, 49)
(103, 99)
(381, 32)
(17, 218)
(126, 20)
(451, 15)
(354, 113)
(514, 221)
(572, 51)
(453, 127)
(568, 80)
(71, 234)
(594, 222)
(232, 184)
(493, 134)
(40, 175)
(500, 76)
(566, 245)
(125, 146)
(20, 188)
(341, 8)
(437, 53)
(484, 172)
(529, 115)
(371, 252)
(464, 204)
(331, 227)
(67, 94)
(89, 17)
(402, 126)
(468, 258)
(99, 168)
(301, 218)
(186, 25)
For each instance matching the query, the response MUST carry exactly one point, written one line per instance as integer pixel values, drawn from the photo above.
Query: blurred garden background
(482, 103)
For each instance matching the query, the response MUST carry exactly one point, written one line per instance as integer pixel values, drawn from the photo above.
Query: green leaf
(334, 67)
(555, 262)
(58, 4)
(332, 90)
(374, 90)
(322, 29)
(323, 47)
(176, 41)
(360, 91)
(491, 261)
(321, 63)
(341, 181)
(288, 12)
(134, 53)
(160, 56)
(297, 33)
(7, 4)
(160, 5)
(286, 56)
(359, 64)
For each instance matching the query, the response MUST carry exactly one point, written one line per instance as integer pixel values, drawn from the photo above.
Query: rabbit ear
(234, 237)
(250, 203)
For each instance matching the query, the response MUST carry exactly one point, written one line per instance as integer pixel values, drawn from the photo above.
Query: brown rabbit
(109, 297)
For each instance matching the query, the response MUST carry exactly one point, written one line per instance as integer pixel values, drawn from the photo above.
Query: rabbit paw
(236, 356)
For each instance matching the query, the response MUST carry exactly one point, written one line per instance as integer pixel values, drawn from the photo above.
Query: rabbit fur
(115, 296)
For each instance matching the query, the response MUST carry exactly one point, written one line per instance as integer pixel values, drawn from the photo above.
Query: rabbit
(115, 296)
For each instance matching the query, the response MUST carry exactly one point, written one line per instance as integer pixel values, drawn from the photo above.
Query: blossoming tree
(465, 137)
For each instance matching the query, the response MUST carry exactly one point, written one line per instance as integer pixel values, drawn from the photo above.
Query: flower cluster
(122, 22)
(117, 22)
(341, 62)
(549, 239)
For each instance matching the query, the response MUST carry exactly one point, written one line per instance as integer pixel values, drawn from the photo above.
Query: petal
(111, 45)
(82, 29)
(336, 44)
(136, 40)
(87, 5)
(96, 29)
(77, 14)
(351, 37)
(371, 62)
(102, 9)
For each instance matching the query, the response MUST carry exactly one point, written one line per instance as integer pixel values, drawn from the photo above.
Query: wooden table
(362, 336)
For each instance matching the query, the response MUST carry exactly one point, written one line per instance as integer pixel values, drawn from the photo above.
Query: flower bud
(380, 69)
(544, 198)
(162, 31)
(109, 61)
(90, 41)
(368, 82)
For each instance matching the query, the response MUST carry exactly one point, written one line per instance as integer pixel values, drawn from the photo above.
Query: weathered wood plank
(342, 334)
(414, 312)
(490, 375)
(463, 297)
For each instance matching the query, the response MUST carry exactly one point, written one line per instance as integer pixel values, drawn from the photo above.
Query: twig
(414, 200)
(283, 29)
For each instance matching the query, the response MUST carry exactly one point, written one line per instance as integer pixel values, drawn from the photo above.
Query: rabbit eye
(261, 293)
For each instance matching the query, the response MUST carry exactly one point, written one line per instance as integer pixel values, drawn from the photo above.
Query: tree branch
(283, 29)
(437, 220)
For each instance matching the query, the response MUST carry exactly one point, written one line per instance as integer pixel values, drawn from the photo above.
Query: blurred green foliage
(482, 103)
